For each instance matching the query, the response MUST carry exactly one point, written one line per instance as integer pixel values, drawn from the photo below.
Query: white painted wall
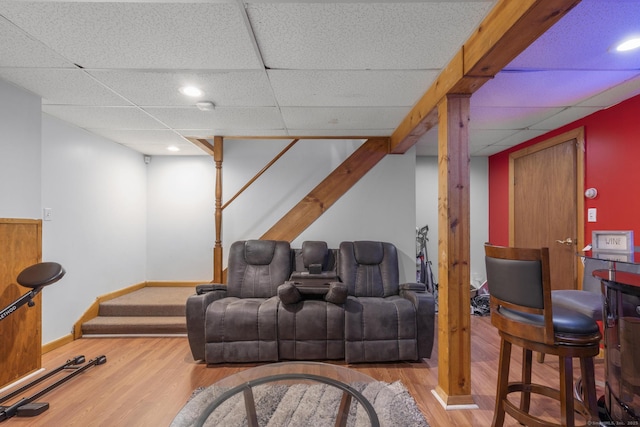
(181, 201)
(280, 188)
(427, 209)
(180, 218)
(381, 206)
(97, 190)
(19, 153)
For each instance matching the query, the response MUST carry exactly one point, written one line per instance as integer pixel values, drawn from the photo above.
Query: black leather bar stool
(521, 310)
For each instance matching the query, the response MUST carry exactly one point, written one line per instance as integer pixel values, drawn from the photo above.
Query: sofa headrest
(314, 252)
(368, 253)
(259, 252)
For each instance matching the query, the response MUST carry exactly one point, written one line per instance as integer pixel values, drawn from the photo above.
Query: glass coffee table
(251, 395)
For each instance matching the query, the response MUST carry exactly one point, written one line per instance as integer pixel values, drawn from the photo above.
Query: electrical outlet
(591, 214)
(48, 214)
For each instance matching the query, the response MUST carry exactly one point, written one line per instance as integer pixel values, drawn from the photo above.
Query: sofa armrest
(196, 309)
(425, 305)
(210, 287)
(416, 287)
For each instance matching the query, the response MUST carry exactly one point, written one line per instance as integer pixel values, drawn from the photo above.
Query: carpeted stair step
(161, 325)
(152, 310)
(149, 301)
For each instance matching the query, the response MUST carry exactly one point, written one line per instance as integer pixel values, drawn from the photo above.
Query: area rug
(311, 405)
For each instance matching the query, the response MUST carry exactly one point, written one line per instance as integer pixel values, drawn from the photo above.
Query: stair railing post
(217, 249)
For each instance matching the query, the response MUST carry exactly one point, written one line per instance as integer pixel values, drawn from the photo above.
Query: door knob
(568, 241)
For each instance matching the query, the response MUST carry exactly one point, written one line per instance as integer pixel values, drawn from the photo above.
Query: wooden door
(20, 331)
(546, 203)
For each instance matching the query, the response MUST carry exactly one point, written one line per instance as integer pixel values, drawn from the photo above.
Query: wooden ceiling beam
(508, 30)
(327, 192)
(204, 144)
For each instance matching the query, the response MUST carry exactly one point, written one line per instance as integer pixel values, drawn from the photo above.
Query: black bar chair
(521, 309)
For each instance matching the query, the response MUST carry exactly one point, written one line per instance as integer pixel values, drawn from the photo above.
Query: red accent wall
(612, 166)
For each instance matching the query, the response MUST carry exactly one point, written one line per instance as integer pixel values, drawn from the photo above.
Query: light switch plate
(591, 214)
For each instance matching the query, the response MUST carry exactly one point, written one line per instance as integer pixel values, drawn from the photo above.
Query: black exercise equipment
(35, 277)
(69, 364)
(28, 407)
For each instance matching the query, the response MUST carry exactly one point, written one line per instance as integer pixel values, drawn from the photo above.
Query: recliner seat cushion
(311, 329)
(242, 330)
(380, 329)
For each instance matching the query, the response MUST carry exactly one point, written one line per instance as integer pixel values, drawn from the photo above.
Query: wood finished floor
(146, 381)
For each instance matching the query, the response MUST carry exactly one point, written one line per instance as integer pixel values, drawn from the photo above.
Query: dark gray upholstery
(268, 313)
(312, 326)
(240, 324)
(311, 329)
(314, 263)
(257, 267)
(381, 323)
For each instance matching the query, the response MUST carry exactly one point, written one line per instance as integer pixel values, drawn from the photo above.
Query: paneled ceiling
(321, 68)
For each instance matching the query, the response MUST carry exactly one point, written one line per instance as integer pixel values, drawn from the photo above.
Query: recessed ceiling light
(173, 148)
(191, 91)
(629, 44)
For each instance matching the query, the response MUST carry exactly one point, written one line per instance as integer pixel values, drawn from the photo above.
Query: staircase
(152, 310)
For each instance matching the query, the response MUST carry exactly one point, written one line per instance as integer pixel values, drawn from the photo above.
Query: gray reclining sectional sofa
(312, 303)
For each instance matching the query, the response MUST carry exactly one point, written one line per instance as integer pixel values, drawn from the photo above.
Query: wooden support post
(217, 249)
(454, 334)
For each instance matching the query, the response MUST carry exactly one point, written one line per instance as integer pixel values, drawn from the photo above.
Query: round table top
(291, 374)
(328, 370)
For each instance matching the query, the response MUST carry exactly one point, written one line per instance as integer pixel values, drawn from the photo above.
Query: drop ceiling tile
(566, 116)
(366, 35)
(583, 38)
(341, 132)
(546, 88)
(345, 118)
(518, 138)
(488, 151)
(427, 145)
(313, 88)
(158, 88)
(62, 86)
(158, 137)
(615, 95)
(210, 133)
(223, 118)
(160, 150)
(508, 117)
(485, 137)
(180, 35)
(19, 50)
(103, 117)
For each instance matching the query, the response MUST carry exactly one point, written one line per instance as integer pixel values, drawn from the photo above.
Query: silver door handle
(568, 241)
